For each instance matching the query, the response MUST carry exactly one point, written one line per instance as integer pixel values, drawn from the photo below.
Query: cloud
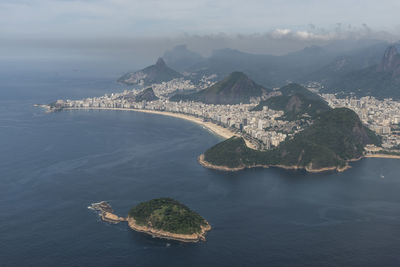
(122, 18)
(340, 32)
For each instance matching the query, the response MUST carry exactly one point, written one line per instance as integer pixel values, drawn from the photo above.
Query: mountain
(380, 80)
(391, 61)
(181, 58)
(348, 62)
(157, 73)
(235, 89)
(145, 95)
(296, 101)
(222, 62)
(336, 137)
(308, 64)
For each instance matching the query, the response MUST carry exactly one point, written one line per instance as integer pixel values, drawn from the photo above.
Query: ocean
(53, 166)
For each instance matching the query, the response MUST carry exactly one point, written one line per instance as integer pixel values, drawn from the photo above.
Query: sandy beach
(214, 128)
(383, 156)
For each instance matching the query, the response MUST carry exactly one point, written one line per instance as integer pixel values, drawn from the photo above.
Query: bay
(52, 166)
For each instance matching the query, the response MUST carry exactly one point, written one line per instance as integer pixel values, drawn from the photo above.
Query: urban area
(263, 128)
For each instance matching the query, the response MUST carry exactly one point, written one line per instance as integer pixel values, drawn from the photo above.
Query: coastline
(382, 156)
(168, 235)
(214, 128)
(106, 214)
(208, 165)
(226, 134)
(111, 217)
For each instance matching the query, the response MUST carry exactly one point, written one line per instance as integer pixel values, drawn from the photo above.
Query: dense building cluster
(165, 89)
(382, 116)
(263, 128)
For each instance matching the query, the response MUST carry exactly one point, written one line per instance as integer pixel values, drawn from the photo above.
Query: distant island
(167, 218)
(161, 217)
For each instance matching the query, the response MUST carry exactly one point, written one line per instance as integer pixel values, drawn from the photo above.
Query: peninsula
(163, 218)
(335, 138)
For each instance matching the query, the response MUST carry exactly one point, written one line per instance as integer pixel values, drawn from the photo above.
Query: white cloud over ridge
(140, 31)
(134, 18)
(338, 33)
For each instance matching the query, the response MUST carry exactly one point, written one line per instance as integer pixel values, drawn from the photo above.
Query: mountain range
(314, 63)
(380, 80)
(364, 67)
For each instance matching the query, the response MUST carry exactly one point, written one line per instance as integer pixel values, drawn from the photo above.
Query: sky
(39, 28)
(118, 18)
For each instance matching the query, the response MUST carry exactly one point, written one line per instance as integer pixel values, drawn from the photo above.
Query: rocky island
(163, 218)
(106, 212)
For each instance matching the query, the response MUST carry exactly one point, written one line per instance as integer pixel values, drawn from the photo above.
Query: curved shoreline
(226, 134)
(168, 235)
(208, 165)
(214, 128)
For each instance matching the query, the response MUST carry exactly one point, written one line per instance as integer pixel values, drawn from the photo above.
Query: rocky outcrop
(201, 236)
(106, 212)
(157, 73)
(391, 61)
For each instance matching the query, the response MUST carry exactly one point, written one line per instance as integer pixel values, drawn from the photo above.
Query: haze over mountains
(311, 63)
(380, 80)
(368, 67)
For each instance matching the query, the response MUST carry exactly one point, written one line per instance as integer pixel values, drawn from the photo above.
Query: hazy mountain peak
(160, 62)
(181, 58)
(391, 60)
(157, 73)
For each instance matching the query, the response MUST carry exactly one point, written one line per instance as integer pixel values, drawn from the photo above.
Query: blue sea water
(52, 166)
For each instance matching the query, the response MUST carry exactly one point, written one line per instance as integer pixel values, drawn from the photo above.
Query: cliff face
(181, 58)
(381, 80)
(234, 89)
(391, 61)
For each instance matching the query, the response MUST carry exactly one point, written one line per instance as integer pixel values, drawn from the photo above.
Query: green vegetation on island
(336, 137)
(235, 89)
(296, 101)
(168, 215)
